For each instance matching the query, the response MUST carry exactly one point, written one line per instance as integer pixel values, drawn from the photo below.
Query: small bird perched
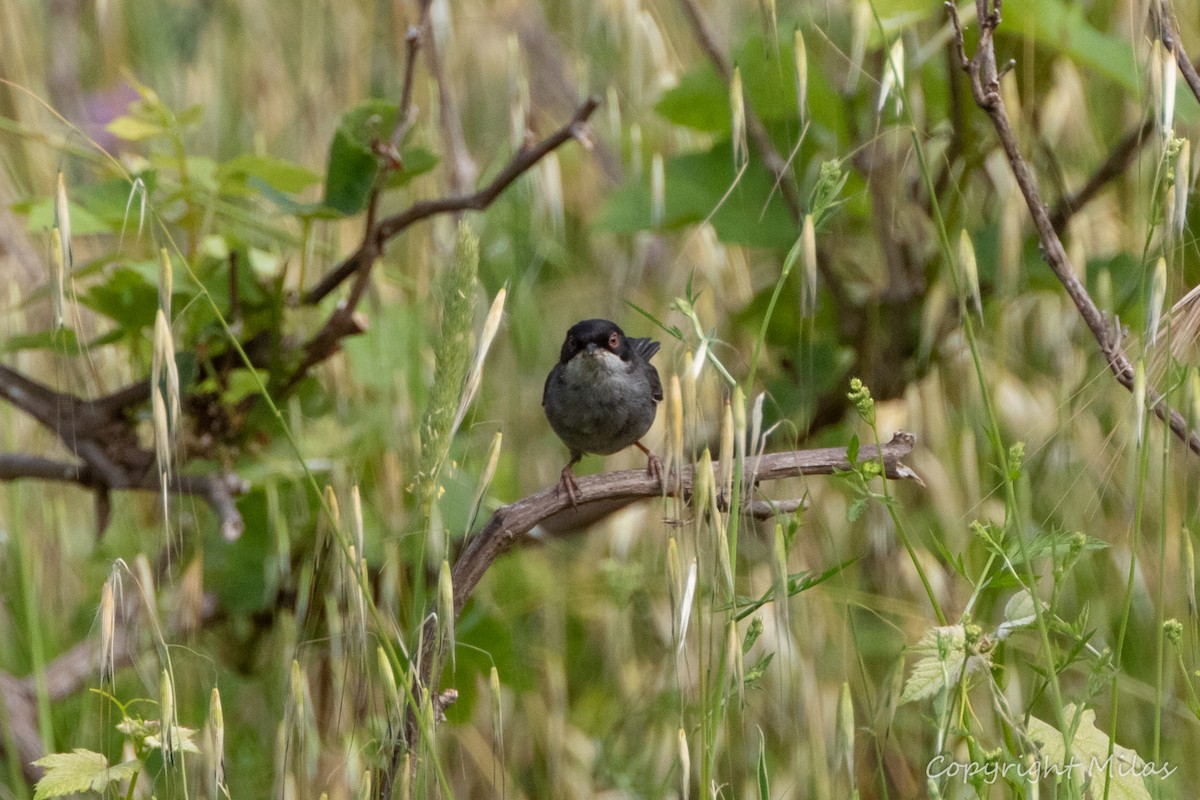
(602, 395)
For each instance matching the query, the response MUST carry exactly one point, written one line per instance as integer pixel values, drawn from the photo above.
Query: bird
(602, 395)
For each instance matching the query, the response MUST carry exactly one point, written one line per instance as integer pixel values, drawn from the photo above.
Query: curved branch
(552, 512)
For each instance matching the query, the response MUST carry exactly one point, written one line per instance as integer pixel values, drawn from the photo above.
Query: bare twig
(985, 86)
(404, 114)
(391, 226)
(1169, 34)
(552, 511)
(107, 444)
(1113, 167)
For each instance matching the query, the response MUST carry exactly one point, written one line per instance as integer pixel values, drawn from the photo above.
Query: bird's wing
(655, 384)
(546, 385)
(646, 348)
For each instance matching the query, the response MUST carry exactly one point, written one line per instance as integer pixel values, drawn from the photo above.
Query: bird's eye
(614, 339)
(570, 342)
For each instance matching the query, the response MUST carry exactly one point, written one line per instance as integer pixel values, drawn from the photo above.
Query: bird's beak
(591, 348)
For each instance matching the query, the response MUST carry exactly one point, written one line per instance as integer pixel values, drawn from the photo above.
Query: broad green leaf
(39, 217)
(1064, 28)
(1018, 614)
(943, 653)
(700, 101)
(103, 207)
(290, 205)
(417, 161)
(242, 384)
(1089, 758)
(353, 164)
(79, 771)
(61, 341)
(126, 297)
(743, 211)
(277, 173)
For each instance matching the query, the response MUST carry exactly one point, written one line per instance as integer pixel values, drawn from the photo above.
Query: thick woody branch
(107, 445)
(985, 86)
(551, 512)
(218, 490)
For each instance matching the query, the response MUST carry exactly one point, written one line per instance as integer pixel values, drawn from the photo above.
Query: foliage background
(594, 692)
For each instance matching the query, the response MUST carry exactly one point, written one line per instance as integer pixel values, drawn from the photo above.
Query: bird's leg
(567, 480)
(654, 467)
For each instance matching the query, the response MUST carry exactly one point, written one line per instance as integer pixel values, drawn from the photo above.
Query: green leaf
(856, 509)
(242, 384)
(417, 161)
(61, 341)
(80, 771)
(943, 652)
(126, 297)
(1064, 28)
(764, 783)
(181, 737)
(746, 210)
(278, 173)
(1019, 613)
(353, 164)
(1089, 757)
(39, 216)
(797, 582)
(1054, 544)
(700, 100)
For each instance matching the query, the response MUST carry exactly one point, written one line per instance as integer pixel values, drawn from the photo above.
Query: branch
(1169, 34)
(551, 511)
(985, 86)
(393, 225)
(217, 490)
(1114, 166)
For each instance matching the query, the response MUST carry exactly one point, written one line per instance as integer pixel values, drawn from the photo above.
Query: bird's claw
(569, 486)
(654, 468)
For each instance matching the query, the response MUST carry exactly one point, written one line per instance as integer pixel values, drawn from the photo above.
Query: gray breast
(599, 404)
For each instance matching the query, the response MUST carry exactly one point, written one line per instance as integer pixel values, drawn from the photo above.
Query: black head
(600, 333)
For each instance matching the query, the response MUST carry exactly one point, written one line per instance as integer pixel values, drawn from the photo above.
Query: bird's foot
(569, 486)
(654, 468)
